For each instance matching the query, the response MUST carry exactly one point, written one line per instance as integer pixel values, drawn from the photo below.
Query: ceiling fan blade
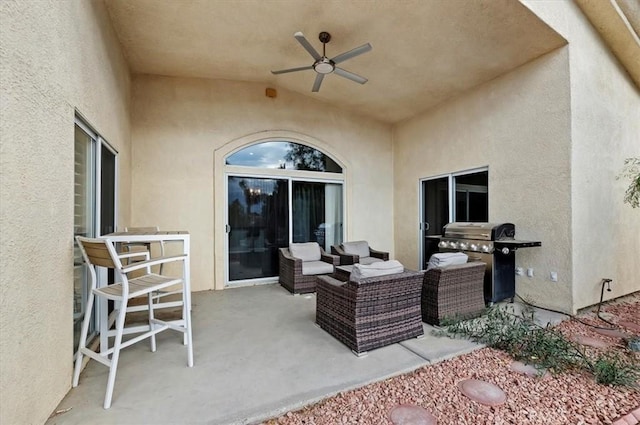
(284, 71)
(352, 53)
(350, 75)
(316, 84)
(307, 46)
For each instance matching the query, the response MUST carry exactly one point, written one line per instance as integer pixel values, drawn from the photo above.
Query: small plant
(543, 347)
(610, 369)
(631, 170)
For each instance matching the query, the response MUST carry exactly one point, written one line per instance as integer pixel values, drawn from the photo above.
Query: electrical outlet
(554, 276)
(519, 271)
(530, 272)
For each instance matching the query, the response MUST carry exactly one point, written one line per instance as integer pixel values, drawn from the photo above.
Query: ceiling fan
(323, 65)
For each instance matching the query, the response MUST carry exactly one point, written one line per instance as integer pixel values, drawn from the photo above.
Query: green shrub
(611, 369)
(543, 347)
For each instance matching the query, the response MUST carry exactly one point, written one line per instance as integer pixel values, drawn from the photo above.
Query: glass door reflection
(258, 226)
(435, 214)
(317, 213)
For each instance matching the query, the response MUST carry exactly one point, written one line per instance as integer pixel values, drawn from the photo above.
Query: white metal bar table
(152, 236)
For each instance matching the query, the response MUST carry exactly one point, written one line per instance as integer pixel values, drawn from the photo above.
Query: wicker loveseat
(371, 312)
(358, 252)
(453, 291)
(298, 274)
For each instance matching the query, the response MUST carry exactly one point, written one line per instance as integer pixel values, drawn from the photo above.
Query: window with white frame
(461, 196)
(94, 206)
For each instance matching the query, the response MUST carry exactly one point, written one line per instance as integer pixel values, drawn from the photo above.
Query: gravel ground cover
(567, 398)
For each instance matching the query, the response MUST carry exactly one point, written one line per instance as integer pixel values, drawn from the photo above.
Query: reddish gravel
(568, 398)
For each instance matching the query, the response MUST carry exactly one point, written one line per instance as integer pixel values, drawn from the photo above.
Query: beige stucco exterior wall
(55, 57)
(519, 126)
(605, 129)
(177, 124)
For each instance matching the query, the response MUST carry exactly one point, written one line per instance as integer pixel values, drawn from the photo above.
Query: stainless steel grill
(493, 244)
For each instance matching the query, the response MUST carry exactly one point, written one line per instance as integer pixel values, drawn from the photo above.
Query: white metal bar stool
(102, 253)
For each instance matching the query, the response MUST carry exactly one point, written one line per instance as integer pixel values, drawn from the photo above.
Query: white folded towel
(379, 268)
(444, 259)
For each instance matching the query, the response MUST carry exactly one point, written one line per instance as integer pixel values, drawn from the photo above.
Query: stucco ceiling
(618, 22)
(424, 51)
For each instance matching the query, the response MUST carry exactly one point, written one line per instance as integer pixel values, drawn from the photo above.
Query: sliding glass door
(258, 218)
(317, 213)
(435, 214)
(460, 196)
(95, 171)
(263, 212)
(279, 192)
(83, 223)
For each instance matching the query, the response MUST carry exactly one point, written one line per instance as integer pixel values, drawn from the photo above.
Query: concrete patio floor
(258, 354)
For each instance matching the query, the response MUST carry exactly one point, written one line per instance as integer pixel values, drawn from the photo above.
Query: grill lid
(479, 231)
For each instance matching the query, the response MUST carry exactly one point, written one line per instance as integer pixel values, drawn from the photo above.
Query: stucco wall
(605, 129)
(177, 124)
(55, 57)
(519, 126)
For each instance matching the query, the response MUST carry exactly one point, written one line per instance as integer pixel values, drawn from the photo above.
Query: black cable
(616, 327)
(542, 308)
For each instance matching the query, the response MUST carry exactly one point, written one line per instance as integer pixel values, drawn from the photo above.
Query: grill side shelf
(515, 244)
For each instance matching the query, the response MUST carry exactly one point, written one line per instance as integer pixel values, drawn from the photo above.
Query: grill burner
(493, 244)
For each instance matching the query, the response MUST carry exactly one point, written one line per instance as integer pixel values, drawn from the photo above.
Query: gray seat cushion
(316, 267)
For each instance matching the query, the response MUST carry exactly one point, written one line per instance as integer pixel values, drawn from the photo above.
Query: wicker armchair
(292, 276)
(372, 312)
(453, 291)
(358, 252)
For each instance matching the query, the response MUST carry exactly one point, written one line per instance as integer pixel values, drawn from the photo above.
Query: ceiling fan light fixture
(324, 66)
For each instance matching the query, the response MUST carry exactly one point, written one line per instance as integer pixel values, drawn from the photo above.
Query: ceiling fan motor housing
(324, 66)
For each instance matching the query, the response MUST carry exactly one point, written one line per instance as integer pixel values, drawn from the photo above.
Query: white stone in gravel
(589, 341)
(411, 415)
(630, 325)
(613, 333)
(483, 392)
(527, 369)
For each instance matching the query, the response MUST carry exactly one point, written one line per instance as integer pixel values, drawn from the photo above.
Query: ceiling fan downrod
(324, 65)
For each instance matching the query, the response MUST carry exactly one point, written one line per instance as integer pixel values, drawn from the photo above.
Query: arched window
(284, 155)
